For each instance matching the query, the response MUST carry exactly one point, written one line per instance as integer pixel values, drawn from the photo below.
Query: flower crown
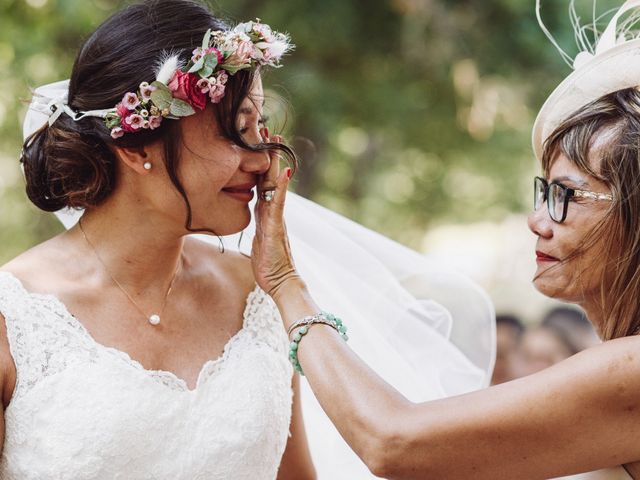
(177, 91)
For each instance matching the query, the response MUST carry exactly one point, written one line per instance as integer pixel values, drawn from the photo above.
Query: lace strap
(37, 336)
(13, 297)
(262, 318)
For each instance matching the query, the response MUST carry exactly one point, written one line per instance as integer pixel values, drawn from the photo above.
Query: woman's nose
(540, 222)
(255, 162)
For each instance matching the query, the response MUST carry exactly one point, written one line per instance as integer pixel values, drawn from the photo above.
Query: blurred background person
(574, 324)
(509, 332)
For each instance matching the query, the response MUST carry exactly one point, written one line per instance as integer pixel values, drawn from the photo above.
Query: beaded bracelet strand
(303, 326)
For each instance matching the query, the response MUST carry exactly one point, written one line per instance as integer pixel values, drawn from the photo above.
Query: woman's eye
(262, 121)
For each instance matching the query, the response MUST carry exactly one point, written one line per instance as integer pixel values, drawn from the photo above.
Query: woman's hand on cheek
(271, 257)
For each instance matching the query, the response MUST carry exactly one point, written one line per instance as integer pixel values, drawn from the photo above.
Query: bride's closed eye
(262, 122)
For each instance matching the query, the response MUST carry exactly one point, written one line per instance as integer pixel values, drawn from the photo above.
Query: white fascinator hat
(611, 64)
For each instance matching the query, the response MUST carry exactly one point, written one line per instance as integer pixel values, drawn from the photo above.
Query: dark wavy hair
(72, 163)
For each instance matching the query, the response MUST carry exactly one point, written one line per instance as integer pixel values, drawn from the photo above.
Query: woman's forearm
(367, 405)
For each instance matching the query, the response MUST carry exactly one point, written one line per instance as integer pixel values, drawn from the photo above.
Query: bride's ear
(139, 159)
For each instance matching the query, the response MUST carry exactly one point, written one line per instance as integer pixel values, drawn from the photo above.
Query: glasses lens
(557, 194)
(538, 193)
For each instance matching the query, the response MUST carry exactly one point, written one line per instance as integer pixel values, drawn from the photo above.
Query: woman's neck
(594, 313)
(140, 248)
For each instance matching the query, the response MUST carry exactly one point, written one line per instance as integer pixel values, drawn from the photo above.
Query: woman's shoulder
(231, 266)
(38, 267)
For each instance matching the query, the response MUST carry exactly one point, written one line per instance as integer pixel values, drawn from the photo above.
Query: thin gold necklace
(154, 318)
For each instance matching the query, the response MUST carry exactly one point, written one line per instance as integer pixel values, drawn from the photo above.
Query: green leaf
(160, 86)
(197, 66)
(206, 39)
(233, 69)
(180, 108)
(112, 122)
(161, 96)
(210, 62)
(205, 72)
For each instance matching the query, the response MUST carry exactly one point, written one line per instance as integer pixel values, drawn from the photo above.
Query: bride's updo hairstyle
(72, 163)
(619, 168)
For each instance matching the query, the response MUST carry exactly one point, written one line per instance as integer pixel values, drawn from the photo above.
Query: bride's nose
(255, 162)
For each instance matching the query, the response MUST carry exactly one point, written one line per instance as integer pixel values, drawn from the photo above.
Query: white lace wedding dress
(83, 411)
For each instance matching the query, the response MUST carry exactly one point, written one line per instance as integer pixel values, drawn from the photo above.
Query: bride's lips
(243, 193)
(543, 257)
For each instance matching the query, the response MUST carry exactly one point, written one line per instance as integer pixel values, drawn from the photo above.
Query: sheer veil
(426, 329)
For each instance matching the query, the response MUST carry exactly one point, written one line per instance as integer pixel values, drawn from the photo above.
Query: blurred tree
(406, 113)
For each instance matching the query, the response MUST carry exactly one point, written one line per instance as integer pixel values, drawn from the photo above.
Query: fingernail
(288, 172)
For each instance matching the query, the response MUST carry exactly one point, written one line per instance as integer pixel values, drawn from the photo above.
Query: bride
(131, 350)
(135, 350)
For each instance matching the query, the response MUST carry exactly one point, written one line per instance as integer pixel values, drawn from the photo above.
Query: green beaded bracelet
(303, 327)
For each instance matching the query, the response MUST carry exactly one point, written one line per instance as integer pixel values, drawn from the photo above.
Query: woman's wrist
(289, 288)
(294, 301)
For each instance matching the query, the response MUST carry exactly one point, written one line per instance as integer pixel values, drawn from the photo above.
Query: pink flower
(222, 77)
(130, 100)
(264, 30)
(145, 124)
(266, 55)
(155, 121)
(185, 87)
(217, 92)
(146, 90)
(242, 53)
(117, 132)
(197, 55)
(134, 121)
(124, 113)
(204, 85)
(216, 51)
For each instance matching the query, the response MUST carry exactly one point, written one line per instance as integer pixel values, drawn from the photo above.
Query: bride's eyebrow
(249, 110)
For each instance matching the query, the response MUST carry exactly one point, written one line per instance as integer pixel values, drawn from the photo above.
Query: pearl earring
(147, 165)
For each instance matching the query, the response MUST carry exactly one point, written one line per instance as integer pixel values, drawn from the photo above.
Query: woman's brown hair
(72, 163)
(617, 114)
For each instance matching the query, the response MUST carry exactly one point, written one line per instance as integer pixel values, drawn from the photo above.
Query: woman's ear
(139, 159)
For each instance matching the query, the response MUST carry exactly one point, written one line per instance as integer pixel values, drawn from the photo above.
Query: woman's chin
(227, 226)
(558, 290)
(548, 289)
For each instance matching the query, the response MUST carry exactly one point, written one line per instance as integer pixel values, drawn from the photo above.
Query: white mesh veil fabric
(424, 328)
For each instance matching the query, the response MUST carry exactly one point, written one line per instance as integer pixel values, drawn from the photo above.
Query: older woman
(579, 415)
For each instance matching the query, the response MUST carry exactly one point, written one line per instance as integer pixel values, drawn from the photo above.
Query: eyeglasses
(557, 197)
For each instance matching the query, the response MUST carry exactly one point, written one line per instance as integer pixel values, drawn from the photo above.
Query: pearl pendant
(154, 319)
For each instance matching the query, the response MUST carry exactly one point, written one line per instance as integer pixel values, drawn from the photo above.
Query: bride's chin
(230, 227)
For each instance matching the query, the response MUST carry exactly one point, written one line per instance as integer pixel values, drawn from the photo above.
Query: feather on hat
(612, 64)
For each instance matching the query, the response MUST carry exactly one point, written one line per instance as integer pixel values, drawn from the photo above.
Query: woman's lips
(243, 193)
(543, 257)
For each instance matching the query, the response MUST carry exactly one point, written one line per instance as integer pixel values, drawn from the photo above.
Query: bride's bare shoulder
(37, 266)
(231, 266)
